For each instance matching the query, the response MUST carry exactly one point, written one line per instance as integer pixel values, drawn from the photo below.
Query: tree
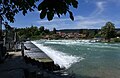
(47, 31)
(108, 31)
(118, 33)
(9, 8)
(91, 34)
(54, 30)
(41, 29)
(85, 32)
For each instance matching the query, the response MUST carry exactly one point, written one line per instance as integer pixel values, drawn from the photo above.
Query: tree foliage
(32, 31)
(108, 31)
(118, 33)
(50, 7)
(9, 8)
(54, 30)
(41, 29)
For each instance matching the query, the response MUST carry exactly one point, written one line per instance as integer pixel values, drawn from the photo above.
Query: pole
(0, 27)
(1, 42)
(15, 41)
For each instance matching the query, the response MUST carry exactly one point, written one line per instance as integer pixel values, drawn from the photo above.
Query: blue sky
(89, 14)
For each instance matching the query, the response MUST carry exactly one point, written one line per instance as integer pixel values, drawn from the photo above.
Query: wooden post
(15, 41)
(1, 42)
(0, 27)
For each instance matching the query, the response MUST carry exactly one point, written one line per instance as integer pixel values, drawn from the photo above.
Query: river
(84, 58)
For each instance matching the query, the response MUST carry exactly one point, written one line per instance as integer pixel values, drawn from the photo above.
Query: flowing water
(84, 58)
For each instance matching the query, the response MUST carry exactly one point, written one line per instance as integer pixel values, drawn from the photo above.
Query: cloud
(54, 20)
(90, 23)
(100, 6)
(79, 23)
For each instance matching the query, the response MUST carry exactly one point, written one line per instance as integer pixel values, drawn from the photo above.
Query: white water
(82, 42)
(67, 42)
(60, 58)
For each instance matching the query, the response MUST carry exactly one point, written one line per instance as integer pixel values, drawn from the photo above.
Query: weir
(34, 55)
(64, 60)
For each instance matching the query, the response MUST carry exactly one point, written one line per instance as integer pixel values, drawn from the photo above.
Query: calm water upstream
(84, 58)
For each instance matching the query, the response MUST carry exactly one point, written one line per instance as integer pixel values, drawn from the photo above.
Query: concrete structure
(33, 53)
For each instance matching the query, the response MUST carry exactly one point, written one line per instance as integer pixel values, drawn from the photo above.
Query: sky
(90, 14)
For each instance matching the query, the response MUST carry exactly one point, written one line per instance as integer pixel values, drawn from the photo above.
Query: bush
(116, 40)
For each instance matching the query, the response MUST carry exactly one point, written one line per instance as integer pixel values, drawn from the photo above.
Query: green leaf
(42, 6)
(43, 14)
(71, 15)
(68, 2)
(75, 3)
(0, 1)
(50, 15)
(15, 11)
(58, 15)
(24, 12)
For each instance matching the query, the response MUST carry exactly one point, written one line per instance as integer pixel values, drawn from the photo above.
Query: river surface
(84, 58)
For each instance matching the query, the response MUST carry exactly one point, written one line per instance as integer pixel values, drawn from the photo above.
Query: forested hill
(117, 29)
(76, 30)
(81, 30)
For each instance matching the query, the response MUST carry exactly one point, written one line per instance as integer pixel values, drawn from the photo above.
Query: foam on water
(60, 58)
(89, 43)
(67, 42)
